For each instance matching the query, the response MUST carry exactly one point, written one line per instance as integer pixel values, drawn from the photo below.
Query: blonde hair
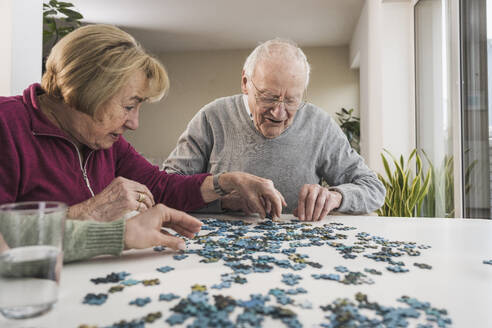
(88, 66)
(281, 48)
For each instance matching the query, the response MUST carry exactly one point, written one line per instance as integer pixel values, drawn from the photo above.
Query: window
(475, 74)
(433, 104)
(453, 67)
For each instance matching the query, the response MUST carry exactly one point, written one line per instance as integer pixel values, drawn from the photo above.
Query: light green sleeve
(81, 239)
(86, 239)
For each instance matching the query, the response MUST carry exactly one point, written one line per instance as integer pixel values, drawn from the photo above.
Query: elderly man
(270, 131)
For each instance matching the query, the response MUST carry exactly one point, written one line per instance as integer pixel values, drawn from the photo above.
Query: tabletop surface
(301, 274)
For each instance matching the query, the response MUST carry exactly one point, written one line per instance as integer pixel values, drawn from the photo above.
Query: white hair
(281, 47)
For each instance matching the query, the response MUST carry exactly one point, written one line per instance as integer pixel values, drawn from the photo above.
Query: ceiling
(184, 25)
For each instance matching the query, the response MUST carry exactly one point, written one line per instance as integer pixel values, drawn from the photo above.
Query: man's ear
(244, 83)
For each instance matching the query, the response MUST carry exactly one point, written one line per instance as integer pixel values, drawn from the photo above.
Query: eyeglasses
(267, 102)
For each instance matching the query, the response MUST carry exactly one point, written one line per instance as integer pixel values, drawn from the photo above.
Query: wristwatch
(218, 190)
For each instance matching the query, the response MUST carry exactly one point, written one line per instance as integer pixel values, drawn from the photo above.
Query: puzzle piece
(199, 288)
(396, 269)
(373, 271)
(114, 289)
(151, 317)
(423, 266)
(130, 282)
(160, 248)
(151, 282)
(95, 299)
(290, 279)
(180, 257)
(140, 302)
(168, 297)
(112, 277)
(165, 269)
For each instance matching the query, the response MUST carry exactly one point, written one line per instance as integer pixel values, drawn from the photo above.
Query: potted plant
(58, 21)
(405, 191)
(350, 125)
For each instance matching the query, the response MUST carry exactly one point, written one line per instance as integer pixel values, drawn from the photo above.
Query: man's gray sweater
(222, 138)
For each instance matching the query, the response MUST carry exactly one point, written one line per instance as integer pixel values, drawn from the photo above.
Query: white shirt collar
(245, 100)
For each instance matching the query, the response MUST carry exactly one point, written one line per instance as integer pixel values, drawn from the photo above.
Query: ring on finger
(141, 197)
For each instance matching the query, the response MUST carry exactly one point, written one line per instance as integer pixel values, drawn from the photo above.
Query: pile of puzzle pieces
(248, 249)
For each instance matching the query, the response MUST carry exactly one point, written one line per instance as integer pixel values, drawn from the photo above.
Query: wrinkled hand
(145, 230)
(234, 202)
(315, 202)
(119, 197)
(251, 194)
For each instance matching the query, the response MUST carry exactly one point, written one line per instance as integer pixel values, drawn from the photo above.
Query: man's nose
(278, 111)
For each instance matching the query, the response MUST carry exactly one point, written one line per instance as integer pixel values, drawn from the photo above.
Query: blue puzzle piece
(165, 269)
(140, 301)
(95, 299)
(168, 297)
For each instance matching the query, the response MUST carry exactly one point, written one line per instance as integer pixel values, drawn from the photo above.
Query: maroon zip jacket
(38, 162)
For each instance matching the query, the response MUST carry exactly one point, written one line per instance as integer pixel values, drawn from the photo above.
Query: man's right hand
(145, 230)
(118, 198)
(251, 194)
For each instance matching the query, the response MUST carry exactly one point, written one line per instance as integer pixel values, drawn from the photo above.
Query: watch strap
(218, 190)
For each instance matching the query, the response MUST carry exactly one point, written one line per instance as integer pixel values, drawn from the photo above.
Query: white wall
(382, 45)
(5, 47)
(397, 85)
(199, 77)
(21, 25)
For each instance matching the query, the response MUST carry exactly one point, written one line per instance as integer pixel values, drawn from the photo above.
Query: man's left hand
(315, 202)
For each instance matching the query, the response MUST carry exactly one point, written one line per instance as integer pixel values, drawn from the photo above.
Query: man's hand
(145, 230)
(119, 197)
(258, 194)
(315, 202)
(247, 192)
(234, 202)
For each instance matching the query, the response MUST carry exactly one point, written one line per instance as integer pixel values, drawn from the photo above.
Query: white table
(458, 281)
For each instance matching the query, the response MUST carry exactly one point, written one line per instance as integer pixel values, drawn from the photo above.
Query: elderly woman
(62, 140)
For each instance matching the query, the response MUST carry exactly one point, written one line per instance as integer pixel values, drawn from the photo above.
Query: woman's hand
(247, 192)
(119, 197)
(145, 230)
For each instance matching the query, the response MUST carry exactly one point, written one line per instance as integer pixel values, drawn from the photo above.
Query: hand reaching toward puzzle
(119, 197)
(248, 192)
(315, 202)
(145, 230)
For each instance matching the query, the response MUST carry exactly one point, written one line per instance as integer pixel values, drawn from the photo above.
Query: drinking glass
(31, 257)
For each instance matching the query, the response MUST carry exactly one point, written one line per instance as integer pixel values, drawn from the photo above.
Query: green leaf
(71, 13)
(386, 166)
(425, 188)
(419, 164)
(49, 12)
(404, 190)
(412, 154)
(65, 4)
